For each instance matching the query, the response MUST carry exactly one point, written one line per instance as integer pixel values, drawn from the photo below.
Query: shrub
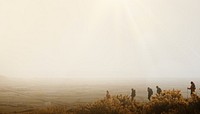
(115, 105)
(168, 102)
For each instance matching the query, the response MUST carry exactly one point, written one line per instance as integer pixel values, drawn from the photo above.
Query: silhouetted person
(108, 95)
(150, 93)
(133, 94)
(158, 90)
(192, 87)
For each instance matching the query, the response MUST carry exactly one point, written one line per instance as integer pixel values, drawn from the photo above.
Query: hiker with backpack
(192, 87)
(133, 94)
(159, 90)
(150, 93)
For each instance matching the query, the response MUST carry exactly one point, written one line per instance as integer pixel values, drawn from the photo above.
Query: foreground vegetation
(168, 102)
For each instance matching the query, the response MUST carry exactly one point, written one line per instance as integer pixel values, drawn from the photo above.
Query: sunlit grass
(169, 102)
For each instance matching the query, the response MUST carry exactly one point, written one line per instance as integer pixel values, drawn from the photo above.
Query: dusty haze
(103, 42)
(71, 51)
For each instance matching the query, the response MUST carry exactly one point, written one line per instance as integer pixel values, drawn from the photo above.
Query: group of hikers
(150, 91)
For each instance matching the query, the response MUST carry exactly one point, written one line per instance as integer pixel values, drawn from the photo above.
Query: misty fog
(73, 51)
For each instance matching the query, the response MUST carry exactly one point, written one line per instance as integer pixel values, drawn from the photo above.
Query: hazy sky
(100, 38)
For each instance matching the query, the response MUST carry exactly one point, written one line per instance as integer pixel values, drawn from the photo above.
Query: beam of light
(89, 37)
(142, 34)
(121, 12)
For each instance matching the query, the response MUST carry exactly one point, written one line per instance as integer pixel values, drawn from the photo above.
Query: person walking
(150, 93)
(108, 95)
(133, 94)
(159, 90)
(192, 87)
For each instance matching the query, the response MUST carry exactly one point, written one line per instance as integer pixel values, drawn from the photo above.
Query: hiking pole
(187, 93)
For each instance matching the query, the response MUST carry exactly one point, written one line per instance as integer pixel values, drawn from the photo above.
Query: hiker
(108, 95)
(150, 93)
(133, 94)
(192, 87)
(158, 90)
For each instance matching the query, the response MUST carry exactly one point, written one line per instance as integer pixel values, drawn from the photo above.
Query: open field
(25, 96)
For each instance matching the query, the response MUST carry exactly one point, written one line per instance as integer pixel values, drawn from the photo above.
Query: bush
(193, 105)
(115, 105)
(168, 102)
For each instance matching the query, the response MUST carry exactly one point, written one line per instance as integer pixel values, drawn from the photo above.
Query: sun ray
(139, 32)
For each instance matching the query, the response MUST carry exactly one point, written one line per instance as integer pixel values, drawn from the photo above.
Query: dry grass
(169, 102)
